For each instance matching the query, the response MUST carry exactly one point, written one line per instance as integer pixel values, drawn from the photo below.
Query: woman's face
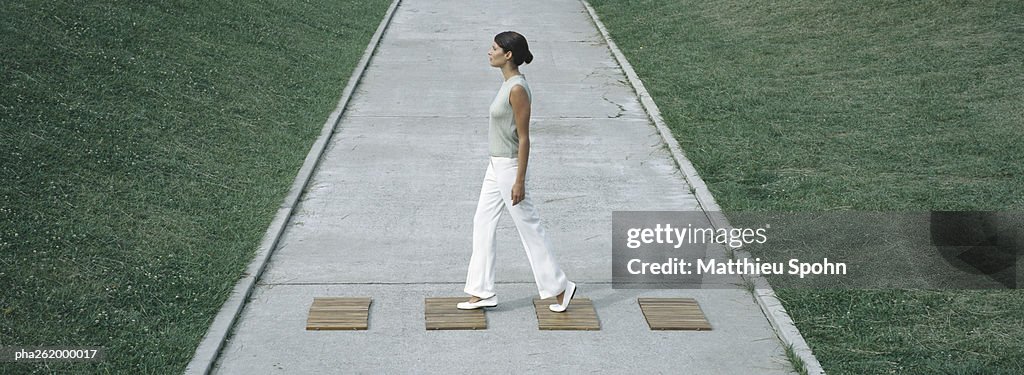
(498, 56)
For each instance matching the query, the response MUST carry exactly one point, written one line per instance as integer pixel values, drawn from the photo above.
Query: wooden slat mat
(338, 313)
(441, 313)
(581, 315)
(674, 314)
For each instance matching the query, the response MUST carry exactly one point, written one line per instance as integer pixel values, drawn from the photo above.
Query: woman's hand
(518, 193)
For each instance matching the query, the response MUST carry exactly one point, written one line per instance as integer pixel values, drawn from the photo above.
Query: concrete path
(389, 214)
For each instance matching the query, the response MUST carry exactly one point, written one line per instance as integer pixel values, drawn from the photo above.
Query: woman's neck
(509, 72)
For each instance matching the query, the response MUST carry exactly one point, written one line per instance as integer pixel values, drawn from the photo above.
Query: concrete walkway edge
(209, 348)
(763, 292)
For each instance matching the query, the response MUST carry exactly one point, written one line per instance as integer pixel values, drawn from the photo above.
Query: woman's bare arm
(521, 111)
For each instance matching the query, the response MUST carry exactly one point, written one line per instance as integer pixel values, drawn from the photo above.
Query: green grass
(798, 363)
(852, 105)
(146, 147)
(910, 331)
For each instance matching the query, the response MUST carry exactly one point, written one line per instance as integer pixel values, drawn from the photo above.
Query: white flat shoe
(489, 302)
(570, 291)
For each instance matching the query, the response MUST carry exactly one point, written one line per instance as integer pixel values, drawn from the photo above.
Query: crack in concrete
(622, 110)
(562, 199)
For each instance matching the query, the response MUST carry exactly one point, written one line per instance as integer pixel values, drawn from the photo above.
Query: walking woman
(504, 186)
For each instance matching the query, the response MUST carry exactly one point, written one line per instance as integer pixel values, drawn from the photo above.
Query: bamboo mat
(674, 314)
(338, 313)
(441, 313)
(580, 316)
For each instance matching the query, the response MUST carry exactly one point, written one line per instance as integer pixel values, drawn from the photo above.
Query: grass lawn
(146, 147)
(852, 105)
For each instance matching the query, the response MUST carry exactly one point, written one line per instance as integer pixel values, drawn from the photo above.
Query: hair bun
(516, 43)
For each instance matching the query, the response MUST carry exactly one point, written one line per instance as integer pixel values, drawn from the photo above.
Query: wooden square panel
(338, 313)
(441, 313)
(580, 316)
(674, 314)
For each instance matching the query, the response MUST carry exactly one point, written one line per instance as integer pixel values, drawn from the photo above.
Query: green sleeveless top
(502, 133)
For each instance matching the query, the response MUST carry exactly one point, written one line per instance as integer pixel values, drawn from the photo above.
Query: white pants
(496, 194)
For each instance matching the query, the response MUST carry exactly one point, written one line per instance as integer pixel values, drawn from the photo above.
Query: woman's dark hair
(515, 42)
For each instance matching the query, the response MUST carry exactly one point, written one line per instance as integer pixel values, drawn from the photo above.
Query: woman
(505, 186)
